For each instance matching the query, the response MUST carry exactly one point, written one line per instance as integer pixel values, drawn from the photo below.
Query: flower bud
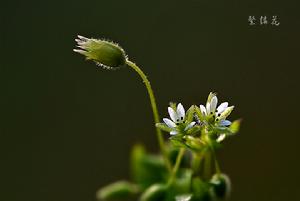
(221, 187)
(226, 112)
(106, 54)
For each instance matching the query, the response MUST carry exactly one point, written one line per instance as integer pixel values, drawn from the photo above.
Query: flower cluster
(184, 171)
(200, 125)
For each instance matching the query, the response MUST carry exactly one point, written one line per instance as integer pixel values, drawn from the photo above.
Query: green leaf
(199, 113)
(117, 190)
(185, 197)
(235, 126)
(190, 114)
(221, 186)
(163, 127)
(193, 130)
(182, 184)
(146, 169)
(200, 190)
(156, 192)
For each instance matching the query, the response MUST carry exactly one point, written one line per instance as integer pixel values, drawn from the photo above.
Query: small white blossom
(177, 120)
(219, 113)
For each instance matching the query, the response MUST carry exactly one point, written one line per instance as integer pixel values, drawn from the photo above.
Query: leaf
(186, 197)
(163, 127)
(199, 113)
(200, 190)
(190, 114)
(182, 184)
(156, 192)
(221, 186)
(146, 169)
(117, 190)
(235, 126)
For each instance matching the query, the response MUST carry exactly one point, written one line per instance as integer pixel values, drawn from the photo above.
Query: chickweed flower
(213, 114)
(106, 54)
(178, 123)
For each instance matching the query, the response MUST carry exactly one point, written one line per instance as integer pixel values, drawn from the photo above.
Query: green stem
(197, 160)
(207, 165)
(176, 166)
(154, 110)
(217, 166)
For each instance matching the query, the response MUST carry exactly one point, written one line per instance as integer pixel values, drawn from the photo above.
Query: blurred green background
(67, 127)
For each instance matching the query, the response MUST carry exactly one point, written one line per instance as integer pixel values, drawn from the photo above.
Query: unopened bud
(106, 54)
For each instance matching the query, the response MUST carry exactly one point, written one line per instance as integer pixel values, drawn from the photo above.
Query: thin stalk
(197, 160)
(176, 166)
(217, 166)
(207, 165)
(154, 110)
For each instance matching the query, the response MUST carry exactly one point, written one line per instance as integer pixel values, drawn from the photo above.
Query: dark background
(67, 128)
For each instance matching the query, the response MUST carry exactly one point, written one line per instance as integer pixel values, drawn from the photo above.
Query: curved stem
(176, 166)
(154, 110)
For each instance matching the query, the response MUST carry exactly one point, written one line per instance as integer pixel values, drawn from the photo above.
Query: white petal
(224, 123)
(169, 123)
(213, 104)
(172, 114)
(190, 125)
(222, 107)
(173, 132)
(208, 108)
(180, 112)
(203, 109)
(221, 137)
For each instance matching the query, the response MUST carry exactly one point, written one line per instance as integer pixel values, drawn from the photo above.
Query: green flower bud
(221, 187)
(117, 190)
(154, 193)
(226, 113)
(106, 54)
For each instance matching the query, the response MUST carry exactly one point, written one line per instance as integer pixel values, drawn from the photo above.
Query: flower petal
(203, 109)
(190, 125)
(173, 114)
(225, 123)
(173, 132)
(169, 123)
(180, 112)
(222, 107)
(208, 108)
(221, 138)
(213, 104)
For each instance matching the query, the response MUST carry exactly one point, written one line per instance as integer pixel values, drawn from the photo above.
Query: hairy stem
(154, 110)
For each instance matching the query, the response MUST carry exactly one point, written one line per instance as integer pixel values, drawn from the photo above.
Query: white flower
(220, 113)
(177, 120)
